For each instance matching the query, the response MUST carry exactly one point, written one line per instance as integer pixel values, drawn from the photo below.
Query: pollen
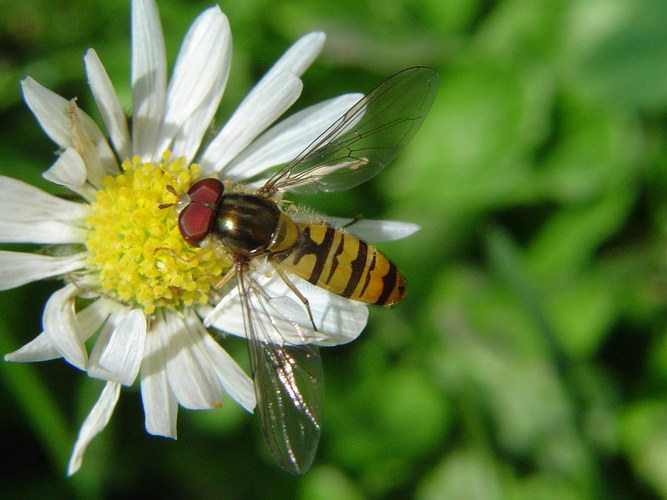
(135, 247)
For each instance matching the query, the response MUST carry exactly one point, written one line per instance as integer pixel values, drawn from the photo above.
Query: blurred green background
(529, 359)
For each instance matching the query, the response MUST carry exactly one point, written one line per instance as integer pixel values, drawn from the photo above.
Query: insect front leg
(222, 281)
(195, 257)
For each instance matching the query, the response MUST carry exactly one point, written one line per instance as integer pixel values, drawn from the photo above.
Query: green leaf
(644, 439)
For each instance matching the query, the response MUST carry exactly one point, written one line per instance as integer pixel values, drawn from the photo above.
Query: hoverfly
(251, 225)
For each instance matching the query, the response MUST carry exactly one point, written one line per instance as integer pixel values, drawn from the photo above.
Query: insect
(252, 225)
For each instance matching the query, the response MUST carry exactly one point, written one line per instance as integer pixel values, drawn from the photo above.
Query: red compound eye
(207, 191)
(196, 219)
(195, 222)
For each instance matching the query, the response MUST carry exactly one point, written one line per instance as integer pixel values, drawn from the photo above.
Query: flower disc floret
(135, 247)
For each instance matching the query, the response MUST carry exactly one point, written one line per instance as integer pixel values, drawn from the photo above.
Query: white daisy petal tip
(315, 39)
(313, 43)
(108, 104)
(192, 377)
(95, 422)
(391, 230)
(198, 81)
(216, 11)
(160, 404)
(232, 378)
(299, 56)
(38, 349)
(375, 231)
(49, 109)
(27, 84)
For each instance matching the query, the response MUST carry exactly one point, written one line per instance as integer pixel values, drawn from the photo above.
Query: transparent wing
(365, 139)
(287, 377)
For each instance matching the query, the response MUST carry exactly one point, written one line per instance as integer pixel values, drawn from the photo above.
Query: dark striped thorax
(245, 223)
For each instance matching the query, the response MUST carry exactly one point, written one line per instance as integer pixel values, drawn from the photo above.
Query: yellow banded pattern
(342, 264)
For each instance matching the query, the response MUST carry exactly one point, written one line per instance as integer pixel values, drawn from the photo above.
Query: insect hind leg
(298, 293)
(356, 219)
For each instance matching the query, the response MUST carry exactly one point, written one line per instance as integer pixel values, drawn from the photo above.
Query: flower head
(131, 284)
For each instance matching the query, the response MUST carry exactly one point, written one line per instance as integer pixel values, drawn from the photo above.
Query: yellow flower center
(136, 249)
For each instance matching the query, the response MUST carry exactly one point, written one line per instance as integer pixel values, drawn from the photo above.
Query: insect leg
(221, 282)
(356, 219)
(69, 277)
(195, 257)
(296, 292)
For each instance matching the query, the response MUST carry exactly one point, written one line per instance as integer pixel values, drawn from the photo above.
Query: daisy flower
(129, 307)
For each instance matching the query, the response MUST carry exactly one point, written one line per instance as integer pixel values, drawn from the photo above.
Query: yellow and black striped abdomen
(342, 264)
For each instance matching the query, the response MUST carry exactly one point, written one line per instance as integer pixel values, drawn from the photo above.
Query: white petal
(189, 137)
(191, 376)
(54, 114)
(92, 317)
(269, 99)
(95, 422)
(30, 215)
(117, 356)
(50, 109)
(68, 170)
(262, 106)
(39, 349)
(375, 231)
(29, 203)
(298, 57)
(160, 404)
(233, 379)
(291, 136)
(59, 322)
(44, 232)
(42, 349)
(338, 320)
(199, 76)
(108, 104)
(18, 268)
(149, 77)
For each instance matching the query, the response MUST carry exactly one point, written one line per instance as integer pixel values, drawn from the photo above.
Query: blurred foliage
(530, 357)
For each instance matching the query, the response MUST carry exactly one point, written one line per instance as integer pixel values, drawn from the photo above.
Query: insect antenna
(171, 189)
